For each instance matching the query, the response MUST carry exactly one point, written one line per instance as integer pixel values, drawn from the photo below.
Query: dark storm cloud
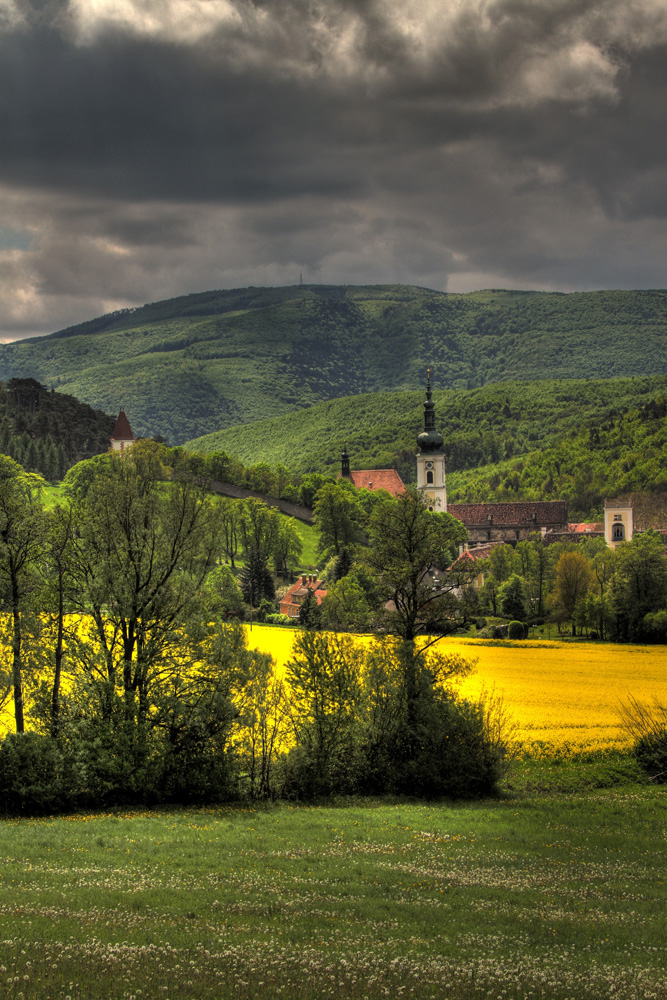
(154, 147)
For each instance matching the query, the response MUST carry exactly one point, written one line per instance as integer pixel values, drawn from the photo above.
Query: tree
(288, 546)
(259, 529)
(21, 533)
(324, 678)
(406, 542)
(55, 567)
(337, 516)
(573, 580)
(640, 581)
(345, 607)
(511, 598)
(143, 547)
(224, 598)
(264, 721)
(309, 612)
(229, 513)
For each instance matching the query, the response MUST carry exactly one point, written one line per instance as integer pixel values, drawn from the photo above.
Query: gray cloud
(156, 147)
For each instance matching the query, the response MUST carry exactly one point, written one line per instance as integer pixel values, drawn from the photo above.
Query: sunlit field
(560, 695)
(546, 898)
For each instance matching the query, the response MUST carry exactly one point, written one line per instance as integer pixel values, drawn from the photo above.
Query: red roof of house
(480, 551)
(122, 431)
(378, 479)
(524, 512)
(582, 528)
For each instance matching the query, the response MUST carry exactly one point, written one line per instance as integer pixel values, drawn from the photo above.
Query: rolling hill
(189, 366)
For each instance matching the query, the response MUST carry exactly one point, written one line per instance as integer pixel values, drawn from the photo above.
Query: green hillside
(188, 366)
(621, 453)
(480, 426)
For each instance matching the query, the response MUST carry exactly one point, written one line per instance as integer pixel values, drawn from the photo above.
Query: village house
(290, 603)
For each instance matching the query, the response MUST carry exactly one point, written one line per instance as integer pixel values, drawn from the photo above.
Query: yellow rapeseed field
(563, 695)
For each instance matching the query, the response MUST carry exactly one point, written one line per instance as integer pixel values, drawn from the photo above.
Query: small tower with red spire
(122, 437)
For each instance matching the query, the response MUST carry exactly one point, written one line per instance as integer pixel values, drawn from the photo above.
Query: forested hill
(188, 366)
(47, 431)
(480, 426)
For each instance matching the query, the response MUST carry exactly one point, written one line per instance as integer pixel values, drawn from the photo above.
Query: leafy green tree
(324, 678)
(501, 562)
(224, 597)
(256, 579)
(288, 546)
(345, 608)
(143, 548)
(264, 726)
(55, 566)
(21, 535)
(573, 580)
(406, 542)
(309, 613)
(511, 598)
(338, 517)
(229, 514)
(640, 582)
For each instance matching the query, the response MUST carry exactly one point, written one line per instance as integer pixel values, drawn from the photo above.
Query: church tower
(431, 457)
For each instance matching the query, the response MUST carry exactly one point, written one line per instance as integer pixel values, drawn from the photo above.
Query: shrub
(516, 630)
(30, 773)
(647, 724)
(278, 619)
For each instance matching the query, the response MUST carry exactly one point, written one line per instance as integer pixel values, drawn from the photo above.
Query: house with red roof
(290, 603)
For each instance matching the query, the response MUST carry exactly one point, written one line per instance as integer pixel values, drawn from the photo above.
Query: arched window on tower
(618, 533)
(429, 476)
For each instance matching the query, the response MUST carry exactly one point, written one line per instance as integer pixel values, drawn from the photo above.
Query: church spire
(429, 440)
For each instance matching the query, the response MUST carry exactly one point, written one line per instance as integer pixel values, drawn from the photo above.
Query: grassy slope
(189, 366)
(546, 896)
(479, 425)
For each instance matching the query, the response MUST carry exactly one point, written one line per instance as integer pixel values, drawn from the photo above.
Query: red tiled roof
(510, 514)
(122, 431)
(480, 551)
(378, 479)
(582, 528)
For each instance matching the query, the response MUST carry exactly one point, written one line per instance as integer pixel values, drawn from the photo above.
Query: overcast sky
(150, 148)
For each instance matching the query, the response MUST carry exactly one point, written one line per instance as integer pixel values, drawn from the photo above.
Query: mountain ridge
(195, 364)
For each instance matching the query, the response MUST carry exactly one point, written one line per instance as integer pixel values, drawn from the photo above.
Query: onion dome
(429, 440)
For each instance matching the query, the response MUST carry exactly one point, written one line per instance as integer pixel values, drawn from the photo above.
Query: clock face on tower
(429, 465)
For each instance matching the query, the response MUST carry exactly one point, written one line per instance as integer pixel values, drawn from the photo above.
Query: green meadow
(536, 894)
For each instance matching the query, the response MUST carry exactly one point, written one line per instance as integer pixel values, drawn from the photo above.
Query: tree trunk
(17, 678)
(58, 656)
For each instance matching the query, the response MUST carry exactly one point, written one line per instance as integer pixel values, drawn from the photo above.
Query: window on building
(618, 533)
(429, 476)
(618, 517)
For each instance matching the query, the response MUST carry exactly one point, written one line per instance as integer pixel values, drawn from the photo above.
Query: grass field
(530, 896)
